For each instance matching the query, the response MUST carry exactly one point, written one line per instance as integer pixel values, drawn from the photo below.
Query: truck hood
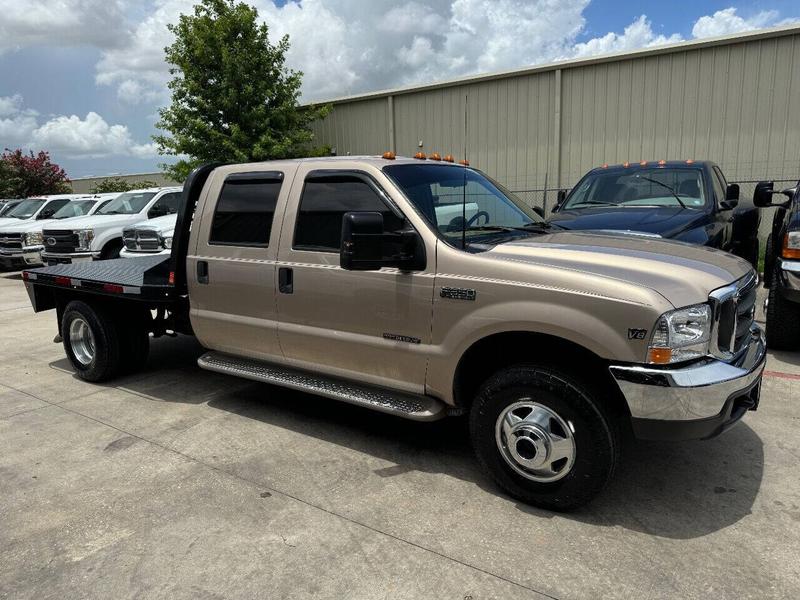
(164, 225)
(682, 273)
(668, 222)
(27, 225)
(8, 221)
(101, 221)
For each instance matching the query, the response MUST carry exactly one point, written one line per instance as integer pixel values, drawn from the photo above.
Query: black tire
(783, 318)
(106, 360)
(111, 250)
(596, 435)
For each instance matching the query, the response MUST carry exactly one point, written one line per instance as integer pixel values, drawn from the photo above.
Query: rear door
(231, 269)
(373, 326)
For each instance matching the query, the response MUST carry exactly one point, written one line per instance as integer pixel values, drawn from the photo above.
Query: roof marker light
(388, 155)
(662, 162)
(464, 162)
(643, 163)
(605, 166)
(448, 158)
(626, 164)
(420, 156)
(435, 156)
(689, 161)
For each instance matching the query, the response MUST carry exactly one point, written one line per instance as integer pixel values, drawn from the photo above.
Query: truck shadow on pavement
(673, 490)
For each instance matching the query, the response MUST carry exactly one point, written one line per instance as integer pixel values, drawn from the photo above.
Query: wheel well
(500, 350)
(112, 243)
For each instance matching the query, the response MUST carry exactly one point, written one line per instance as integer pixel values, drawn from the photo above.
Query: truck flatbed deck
(145, 278)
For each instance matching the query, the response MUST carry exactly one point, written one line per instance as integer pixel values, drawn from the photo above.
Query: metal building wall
(735, 100)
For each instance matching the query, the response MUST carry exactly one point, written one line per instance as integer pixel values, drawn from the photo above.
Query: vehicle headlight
(32, 239)
(791, 245)
(85, 237)
(681, 335)
(167, 242)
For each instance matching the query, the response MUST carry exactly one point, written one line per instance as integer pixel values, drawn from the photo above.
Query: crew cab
(22, 244)
(149, 237)
(369, 280)
(782, 266)
(100, 236)
(689, 201)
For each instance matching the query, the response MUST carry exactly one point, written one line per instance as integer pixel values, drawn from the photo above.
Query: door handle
(202, 271)
(285, 280)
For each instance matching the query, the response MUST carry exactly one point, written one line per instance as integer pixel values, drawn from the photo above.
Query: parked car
(336, 276)
(100, 236)
(7, 204)
(21, 244)
(36, 208)
(782, 266)
(689, 201)
(149, 237)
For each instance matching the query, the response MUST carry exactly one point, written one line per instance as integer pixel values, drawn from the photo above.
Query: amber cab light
(643, 163)
(420, 156)
(389, 155)
(662, 162)
(689, 161)
(626, 164)
(448, 158)
(435, 156)
(464, 162)
(791, 245)
(659, 356)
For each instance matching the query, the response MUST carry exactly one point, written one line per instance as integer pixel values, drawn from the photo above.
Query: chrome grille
(10, 241)
(59, 240)
(734, 309)
(141, 240)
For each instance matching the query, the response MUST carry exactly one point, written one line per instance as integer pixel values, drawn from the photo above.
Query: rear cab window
(245, 209)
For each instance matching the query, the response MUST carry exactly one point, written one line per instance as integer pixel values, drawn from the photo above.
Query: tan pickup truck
(424, 289)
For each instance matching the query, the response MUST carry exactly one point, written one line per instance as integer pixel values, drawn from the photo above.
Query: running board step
(408, 406)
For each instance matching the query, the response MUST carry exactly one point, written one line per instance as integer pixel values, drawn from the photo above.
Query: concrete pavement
(180, 483)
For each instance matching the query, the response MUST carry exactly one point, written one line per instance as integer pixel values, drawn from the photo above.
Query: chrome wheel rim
(535, 441)
(81, 340)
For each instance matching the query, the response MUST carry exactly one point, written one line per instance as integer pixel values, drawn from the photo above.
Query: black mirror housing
(367, 247)
(560, 197)
(762, 196)
(157, 211)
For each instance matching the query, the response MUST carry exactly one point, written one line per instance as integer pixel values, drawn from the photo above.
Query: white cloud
(100, 23)
(638, 34)
(69, 136)
(727, 21)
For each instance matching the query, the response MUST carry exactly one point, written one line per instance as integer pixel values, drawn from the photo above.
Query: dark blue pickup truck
(690, 201)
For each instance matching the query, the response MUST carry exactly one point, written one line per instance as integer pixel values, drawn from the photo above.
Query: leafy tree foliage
(28, 174)
(117, 184)
(233, 98)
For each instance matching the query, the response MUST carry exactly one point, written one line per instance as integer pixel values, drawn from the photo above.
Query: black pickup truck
(689, 201)
(782, 266)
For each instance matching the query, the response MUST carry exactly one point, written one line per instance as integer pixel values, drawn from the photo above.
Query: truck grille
(141, 240)
(10, 241)
(59, 240)
(735, 311)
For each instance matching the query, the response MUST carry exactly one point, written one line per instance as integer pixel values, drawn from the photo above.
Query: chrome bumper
(30, 255)
(701, 391)
(68, 257)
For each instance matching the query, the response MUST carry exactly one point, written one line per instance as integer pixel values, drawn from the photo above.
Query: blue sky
(84, 78)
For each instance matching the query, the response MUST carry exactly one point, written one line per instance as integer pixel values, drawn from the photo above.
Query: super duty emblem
(637, 334)
(458, 293)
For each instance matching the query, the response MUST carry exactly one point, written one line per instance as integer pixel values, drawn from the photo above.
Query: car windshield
(25, 209)
(76, 208)
(639, 187)
(128, 203)
(462, 201)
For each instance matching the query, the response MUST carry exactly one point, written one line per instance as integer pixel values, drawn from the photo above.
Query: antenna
(464, 188)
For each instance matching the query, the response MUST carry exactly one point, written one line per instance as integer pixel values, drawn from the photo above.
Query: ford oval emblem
(51, 241)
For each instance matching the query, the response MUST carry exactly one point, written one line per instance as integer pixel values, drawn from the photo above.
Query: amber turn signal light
(389, 155)
(787, 251)
(659, 356)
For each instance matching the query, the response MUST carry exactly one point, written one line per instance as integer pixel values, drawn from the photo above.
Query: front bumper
(125, 253)
(66, 258)
(30, 256)
(697, 401)
(789, 279)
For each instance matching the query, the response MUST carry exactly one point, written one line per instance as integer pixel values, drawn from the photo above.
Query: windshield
(25, 209)
(128, 203)
(76, 208)
(639, 187)
(457, 201)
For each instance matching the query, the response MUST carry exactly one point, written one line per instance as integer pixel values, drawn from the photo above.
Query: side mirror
(560, 197)
(157, 211)
(762, 196)
(46, 213)
(367, 247)
(731, 197)
(539, 211)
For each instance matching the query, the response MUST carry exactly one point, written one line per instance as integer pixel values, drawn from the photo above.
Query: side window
(51, 208)
(245, 209)
(324, 201)
(719, 187)
(166, 205)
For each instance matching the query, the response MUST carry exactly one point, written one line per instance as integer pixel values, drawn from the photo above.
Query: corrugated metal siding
(737, 103)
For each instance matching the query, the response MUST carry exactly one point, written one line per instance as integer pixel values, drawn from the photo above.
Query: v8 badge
(637, 334)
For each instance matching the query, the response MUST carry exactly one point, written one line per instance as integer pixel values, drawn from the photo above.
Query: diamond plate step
(408, 406)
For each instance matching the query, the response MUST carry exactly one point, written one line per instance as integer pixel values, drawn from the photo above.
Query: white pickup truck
(149, 238)
(100, 236)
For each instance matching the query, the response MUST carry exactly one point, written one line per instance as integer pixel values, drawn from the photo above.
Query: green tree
(117, 184)
(27, 174)
(233, 98)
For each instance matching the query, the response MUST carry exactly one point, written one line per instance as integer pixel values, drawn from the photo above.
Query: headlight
(167, 242)
(791, 245)
(85, 237)
(32, 239)
(681, 335)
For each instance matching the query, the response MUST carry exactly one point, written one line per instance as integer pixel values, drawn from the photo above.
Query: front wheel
(544, 437)
(783, 318)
